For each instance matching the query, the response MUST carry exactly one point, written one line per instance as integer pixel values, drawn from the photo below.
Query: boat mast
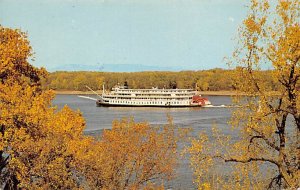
(103, 89)
(93, 91)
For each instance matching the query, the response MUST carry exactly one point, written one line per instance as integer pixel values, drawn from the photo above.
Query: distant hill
(113, 68)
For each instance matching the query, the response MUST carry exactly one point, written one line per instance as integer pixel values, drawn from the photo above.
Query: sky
(174, 34)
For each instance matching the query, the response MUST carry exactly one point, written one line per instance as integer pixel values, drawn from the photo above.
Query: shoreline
(76, 92)
(209, 93)
(218, 93)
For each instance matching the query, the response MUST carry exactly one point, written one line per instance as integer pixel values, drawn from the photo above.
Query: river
(199, 119)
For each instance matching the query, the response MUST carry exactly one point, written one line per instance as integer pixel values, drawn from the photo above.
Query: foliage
(215, 79)
(34, 137)
(266, 154)
(130, 156)
(14, 52)
(44, 148)
(206, 80)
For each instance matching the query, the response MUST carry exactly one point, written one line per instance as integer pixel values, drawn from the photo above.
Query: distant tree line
(204, 80)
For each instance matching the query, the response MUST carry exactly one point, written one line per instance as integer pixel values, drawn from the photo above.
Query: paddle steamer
(123, 96)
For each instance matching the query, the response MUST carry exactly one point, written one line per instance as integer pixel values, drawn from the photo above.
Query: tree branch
(247, 160)
(271, 144)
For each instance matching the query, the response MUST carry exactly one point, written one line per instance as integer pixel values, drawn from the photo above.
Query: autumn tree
(130, 156)
(34, 136)
(45, 148)
(214, 79)
(266, 153)
(14, 71)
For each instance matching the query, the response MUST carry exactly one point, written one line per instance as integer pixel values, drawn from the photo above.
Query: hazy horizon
(155, 35)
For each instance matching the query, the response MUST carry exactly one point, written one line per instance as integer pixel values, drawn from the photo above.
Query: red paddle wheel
(200, 100)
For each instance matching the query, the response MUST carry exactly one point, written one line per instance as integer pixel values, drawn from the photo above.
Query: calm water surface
(199, 119)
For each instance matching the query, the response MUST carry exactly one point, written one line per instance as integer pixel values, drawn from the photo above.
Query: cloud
(231, 19)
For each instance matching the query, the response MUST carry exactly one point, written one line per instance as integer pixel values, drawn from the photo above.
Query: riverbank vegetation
(206, 80)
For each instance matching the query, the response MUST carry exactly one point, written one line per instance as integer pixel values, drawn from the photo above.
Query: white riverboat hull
(124, 97)
(99, 103)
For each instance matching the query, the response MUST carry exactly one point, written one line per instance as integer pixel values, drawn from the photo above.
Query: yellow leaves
(266, 5)
(127, 156)
(287, 47)
(205, 186)
(284, 4)
(254, 4)
(150, 186)
(67, 121)
(14, 52)
(277, 45)
(202, 157)
(196, 146)
(19, 168)
(268, 39)
(251, 25)
(47, 147)
(37, 137)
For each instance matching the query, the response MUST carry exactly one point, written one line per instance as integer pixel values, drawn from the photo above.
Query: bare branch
(247, 160)
(271, 144)
(262, 136)
(277, 180)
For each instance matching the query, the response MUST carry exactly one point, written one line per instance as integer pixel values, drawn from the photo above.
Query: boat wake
(87, 97)
(219, 106)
